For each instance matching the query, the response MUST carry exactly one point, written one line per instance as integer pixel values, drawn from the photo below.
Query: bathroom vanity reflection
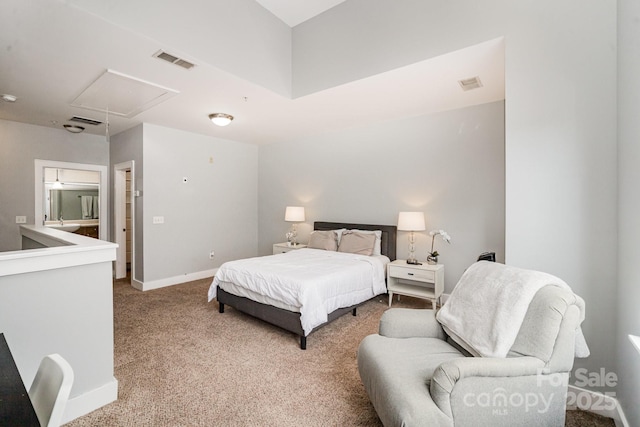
(74, 204)
(72, 201)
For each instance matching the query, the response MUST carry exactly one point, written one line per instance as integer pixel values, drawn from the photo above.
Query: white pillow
(339, 233)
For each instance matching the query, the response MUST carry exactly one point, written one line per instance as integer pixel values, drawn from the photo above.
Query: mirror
(71, 195)
(72, 192)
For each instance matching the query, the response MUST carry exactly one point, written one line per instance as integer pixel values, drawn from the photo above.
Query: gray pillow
(327, 240)
(354, 242)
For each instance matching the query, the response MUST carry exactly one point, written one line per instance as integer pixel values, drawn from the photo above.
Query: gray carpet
(180, 363)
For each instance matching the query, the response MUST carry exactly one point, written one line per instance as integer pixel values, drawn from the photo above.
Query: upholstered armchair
(422, 370)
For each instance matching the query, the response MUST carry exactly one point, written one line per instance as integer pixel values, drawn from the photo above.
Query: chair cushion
(396, 374)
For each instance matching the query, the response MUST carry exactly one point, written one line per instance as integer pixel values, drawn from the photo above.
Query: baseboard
(597, 403)
(170, 281)
(90, 401)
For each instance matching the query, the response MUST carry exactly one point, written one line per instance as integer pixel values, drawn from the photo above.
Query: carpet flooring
(179, 362)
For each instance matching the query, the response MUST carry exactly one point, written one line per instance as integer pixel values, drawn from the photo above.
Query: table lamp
(294, 214)
(411, 222)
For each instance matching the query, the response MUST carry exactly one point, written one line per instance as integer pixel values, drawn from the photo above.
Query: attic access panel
(121, 95)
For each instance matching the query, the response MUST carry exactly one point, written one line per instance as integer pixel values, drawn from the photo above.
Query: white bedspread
(316, 281)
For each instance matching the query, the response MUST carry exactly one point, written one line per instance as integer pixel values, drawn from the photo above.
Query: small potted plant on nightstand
(432, 257)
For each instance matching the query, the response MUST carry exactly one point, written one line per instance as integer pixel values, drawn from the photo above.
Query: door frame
(120, 217)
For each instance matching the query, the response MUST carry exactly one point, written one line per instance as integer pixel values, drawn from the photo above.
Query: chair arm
(410, 323)
(449, 373)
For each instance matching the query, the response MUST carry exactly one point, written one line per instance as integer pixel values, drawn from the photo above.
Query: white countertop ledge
(62, 250)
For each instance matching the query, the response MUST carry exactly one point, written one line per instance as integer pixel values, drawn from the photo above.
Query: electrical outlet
(21, 219)
(212, 254)
(158, 220)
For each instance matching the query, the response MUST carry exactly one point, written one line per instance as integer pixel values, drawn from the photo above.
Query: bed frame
(290, 320)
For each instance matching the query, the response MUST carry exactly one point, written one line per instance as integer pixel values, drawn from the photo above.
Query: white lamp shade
(411, 221)
(294, 214)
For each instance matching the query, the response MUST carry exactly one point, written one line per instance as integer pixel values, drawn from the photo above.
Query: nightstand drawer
(412, 274)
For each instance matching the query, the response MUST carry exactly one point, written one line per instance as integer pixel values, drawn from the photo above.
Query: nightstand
(280, 248)
(420, 281)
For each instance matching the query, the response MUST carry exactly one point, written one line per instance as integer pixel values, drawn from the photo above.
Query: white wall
(448, 165)
(20, 145)
(560, 68)
(215, 210)
(628, 297)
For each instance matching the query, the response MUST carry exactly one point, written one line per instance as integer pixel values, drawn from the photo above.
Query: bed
(304, 317)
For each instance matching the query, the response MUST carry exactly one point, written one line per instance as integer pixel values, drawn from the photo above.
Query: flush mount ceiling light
(73, 128)
(221, 119)
(9, 98)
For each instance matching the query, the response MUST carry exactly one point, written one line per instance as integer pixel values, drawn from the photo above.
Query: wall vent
(85, 120)
(174, 59)
(470, 83)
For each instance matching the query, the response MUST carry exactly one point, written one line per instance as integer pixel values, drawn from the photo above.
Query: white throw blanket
(489, 304)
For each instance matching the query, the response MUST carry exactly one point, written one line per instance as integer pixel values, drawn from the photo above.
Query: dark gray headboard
(389, 234)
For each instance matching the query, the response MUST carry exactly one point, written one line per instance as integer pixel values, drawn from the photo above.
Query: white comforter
(315, 281)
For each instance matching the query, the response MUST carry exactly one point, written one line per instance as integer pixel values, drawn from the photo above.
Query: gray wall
(215, 210)
(628, 298)
(20, 145)
(361, 38)
(448, 165)
(250, 42)
(68, 311)
(560, 120)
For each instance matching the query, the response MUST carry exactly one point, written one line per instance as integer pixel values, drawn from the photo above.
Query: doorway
(124, 214)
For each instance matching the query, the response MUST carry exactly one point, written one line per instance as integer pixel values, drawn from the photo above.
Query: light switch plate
(158, 220)
(21, 219)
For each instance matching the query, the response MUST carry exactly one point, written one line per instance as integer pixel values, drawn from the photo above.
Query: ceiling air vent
(471, 83)
(85, 120)
(174, 59)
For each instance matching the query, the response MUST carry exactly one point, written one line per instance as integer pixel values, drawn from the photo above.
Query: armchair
(418, 375)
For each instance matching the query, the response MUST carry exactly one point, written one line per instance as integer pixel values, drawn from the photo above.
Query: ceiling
(294, 12)
(47, 66)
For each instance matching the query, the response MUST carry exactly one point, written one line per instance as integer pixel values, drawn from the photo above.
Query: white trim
(170, 281)
(598, 403)
(39, 166)
(59, 250)
(90, 401)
